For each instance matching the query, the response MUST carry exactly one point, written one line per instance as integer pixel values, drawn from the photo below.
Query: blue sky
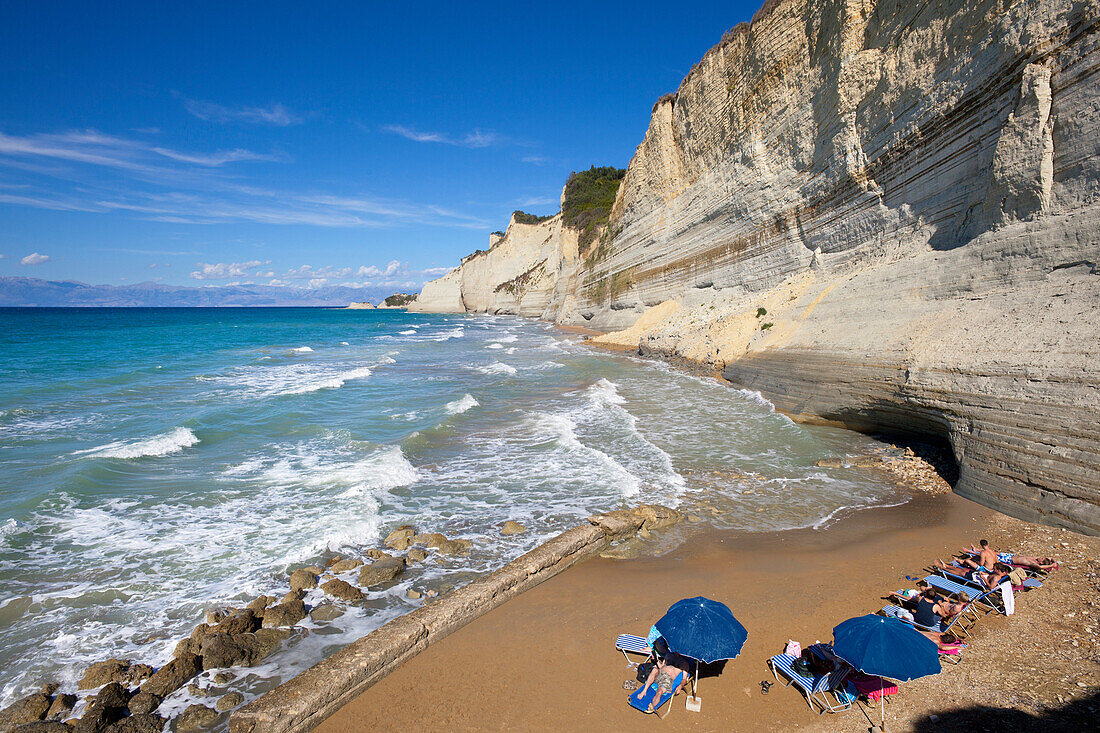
(210, 143)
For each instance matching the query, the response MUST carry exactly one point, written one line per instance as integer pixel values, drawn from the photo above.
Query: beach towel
(641, 698)
(1009, 599)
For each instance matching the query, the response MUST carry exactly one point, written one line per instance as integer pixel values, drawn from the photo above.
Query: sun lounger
(958, 573)
(633, 644)
(643, 696)
(956, 627)
(1030, 571)
(989, 599)
(816, 689)
(871, 687)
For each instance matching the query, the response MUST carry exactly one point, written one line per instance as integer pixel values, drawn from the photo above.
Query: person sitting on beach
(929, 610)
(986, 556)
(664, 674)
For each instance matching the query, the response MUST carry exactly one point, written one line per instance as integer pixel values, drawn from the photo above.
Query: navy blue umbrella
(886, 647)
(702, 629)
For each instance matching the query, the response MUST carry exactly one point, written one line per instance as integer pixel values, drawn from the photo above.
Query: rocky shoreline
(124, 696)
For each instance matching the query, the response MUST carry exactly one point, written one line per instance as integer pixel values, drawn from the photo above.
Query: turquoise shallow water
(157, 462)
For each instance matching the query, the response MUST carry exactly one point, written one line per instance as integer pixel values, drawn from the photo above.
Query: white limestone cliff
(911, 191)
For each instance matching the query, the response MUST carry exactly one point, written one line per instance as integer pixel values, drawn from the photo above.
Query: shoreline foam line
(302, 702)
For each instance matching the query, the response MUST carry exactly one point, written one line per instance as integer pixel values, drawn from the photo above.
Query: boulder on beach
(326, 612)
(227, 650)
(374, 554)
(241, 621)
(61, 707)
(196, 717)
(140, 723)
(41, 726)
(284, 614)
(26, 710)
(113, 695)
(413, 595)
(173, 675)
(260, 604)
(113, 670)
(143, 702)
(399, 539)
(345, 565)
(303, 578)
(512, 527)
(293, 595)
(230, 701)
(415, 554)
(381, 571)
(343, 590)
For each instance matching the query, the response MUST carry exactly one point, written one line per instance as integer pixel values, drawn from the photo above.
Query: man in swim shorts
(664, 674)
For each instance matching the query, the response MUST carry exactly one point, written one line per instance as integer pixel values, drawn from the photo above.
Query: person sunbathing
(987, 557)
(664, 674)
(945, 642)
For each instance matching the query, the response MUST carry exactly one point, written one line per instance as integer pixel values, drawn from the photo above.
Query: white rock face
(520, 274)
(912, 193)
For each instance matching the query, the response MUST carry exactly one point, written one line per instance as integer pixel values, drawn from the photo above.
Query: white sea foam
(460, 406)
(508, 339)
(494, 345)
(291, 379)
(410, 332)
(606, 392)
(497, 367)
(10, 527)
(510, 350)
(563, 430)
(454, 333)
(302, 350)
(344, 343)
(160, 445)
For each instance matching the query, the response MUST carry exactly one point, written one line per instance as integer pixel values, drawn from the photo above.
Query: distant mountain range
(26, 291)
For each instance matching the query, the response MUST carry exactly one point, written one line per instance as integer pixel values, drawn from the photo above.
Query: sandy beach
(546, 659)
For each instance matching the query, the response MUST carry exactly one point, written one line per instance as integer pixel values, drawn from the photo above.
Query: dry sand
(546, 660)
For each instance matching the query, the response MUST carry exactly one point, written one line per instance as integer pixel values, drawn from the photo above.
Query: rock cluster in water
(130, 693)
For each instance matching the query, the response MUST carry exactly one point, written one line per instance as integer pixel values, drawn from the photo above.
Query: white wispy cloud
(34, 259)
(276, 114)
(94, 148)
(475, 139)
(536, 159)
(223, 270)
(90, 171)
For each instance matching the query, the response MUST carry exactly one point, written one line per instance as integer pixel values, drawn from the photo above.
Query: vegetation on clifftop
(522, 217)
(589, 196)
(398, 300)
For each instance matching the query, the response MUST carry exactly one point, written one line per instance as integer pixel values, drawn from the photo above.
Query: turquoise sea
(155, 463)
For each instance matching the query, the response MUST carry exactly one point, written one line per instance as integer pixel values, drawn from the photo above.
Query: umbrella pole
(882, 704)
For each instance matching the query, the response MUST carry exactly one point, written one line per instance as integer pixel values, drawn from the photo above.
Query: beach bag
(643, 671)
(794, 649)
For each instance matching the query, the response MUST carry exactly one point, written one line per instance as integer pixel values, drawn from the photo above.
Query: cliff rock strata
(910, 192)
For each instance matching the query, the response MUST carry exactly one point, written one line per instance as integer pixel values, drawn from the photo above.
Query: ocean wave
(161, 445)
(460, 406)
(605, 392)
(564, 431)
(333, 382)
(508, 339)
(302, 350)
(410, 332)
(291, 379)
(497, 367)
(454, 333)
(494, 345)
(344, 343)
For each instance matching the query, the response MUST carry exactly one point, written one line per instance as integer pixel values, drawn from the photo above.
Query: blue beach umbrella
(702, 629)
(886, 647)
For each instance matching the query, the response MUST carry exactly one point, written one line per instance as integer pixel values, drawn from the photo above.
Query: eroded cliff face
(521, 274)
(911, 191)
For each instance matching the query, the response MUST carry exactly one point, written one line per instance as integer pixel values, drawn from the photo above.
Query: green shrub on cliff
(399, 300)
(589, 196)
(522, 217)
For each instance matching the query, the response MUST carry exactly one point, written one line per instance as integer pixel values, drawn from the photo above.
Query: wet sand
(546, 659)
